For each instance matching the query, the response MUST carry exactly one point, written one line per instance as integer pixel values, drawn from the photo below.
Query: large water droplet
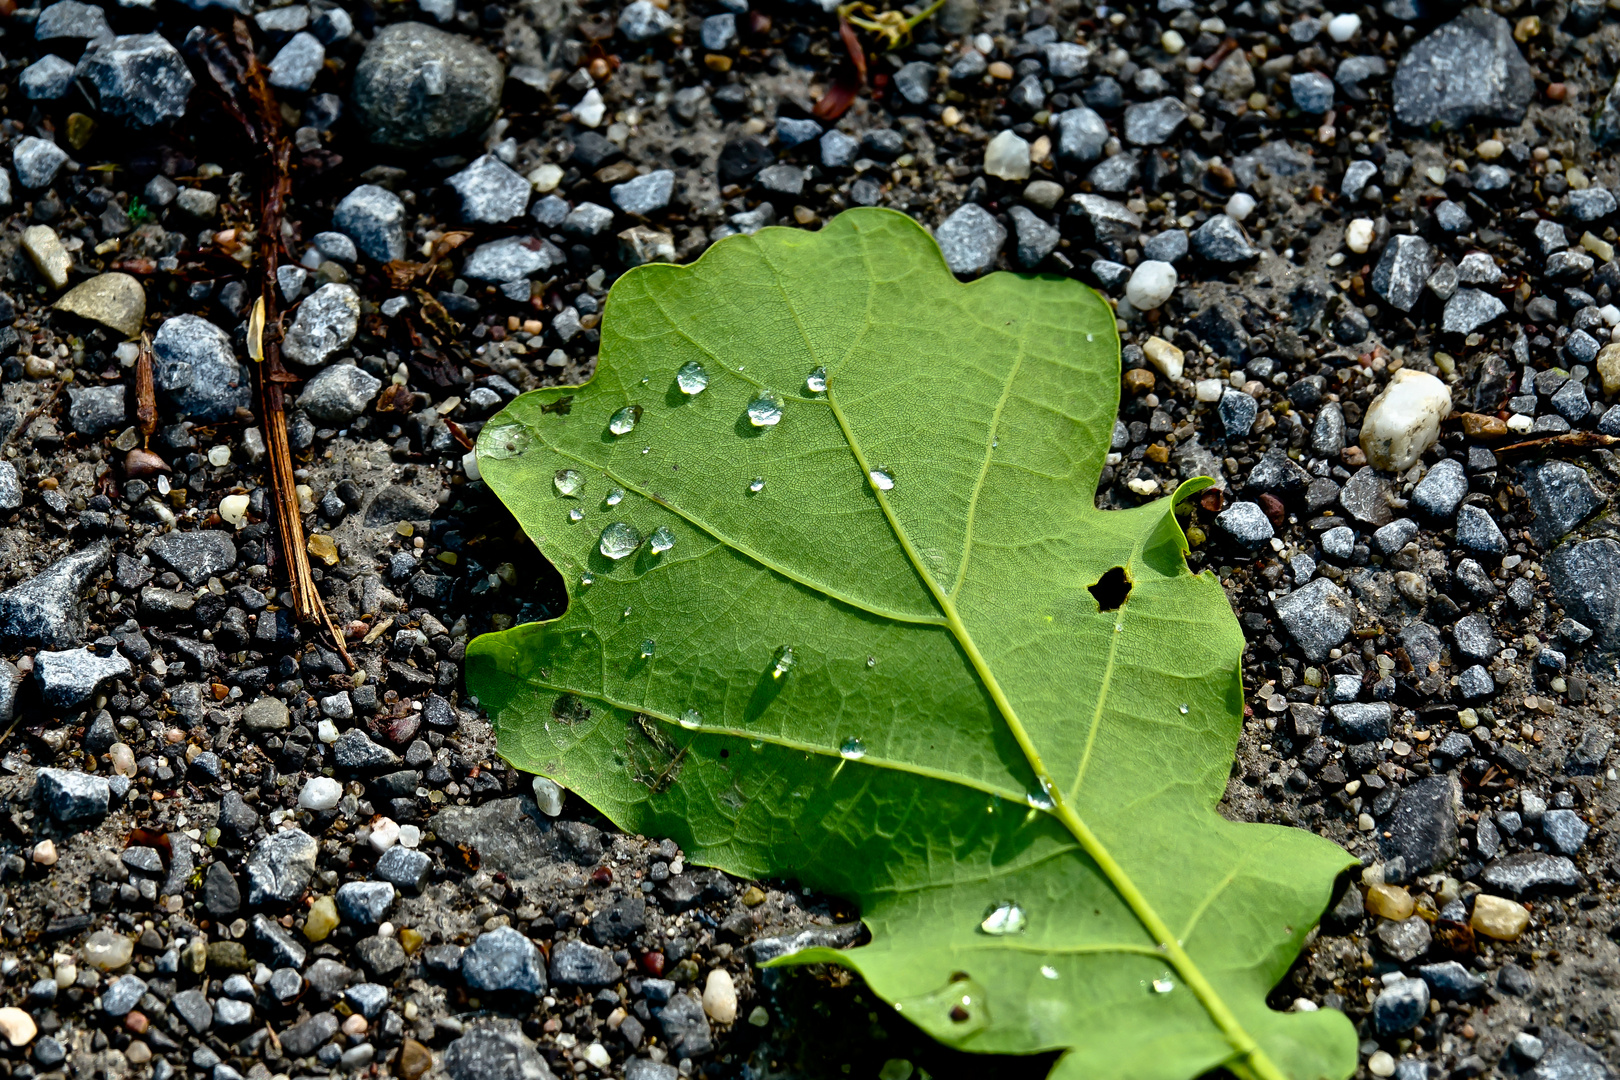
(1039, 800)
(506, 441)
(1005, 918)
(881, 479)
(852, 749)
(568, 481)
(614, 497)
(619, 540)
(757, 485)
(816, 381)
(784, 662)
(692, 379)
(1048, 971)
(765, 410)
(586, 581)
(576, 514)
(1182, 708)
(648, 647)
(691, 719)
(623, 422)
(1164, 984)
(661, 540)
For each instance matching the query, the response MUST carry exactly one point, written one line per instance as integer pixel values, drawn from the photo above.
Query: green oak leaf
(860, 647)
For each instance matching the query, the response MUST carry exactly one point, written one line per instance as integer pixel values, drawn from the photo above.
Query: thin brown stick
(1574, 440)
(238, 74)
(146, 414)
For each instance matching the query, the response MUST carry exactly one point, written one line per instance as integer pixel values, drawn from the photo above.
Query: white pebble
(219, 455)
(1240, 206)
(1172, 41)
(1209, 391)
(233, 510)
(548, 795)
(1404, 420)
(320, 793)
(1358, 237)
(1381, 1063)
(384, 834)
(591, 108)
(1166, 357)
(1520, 422)
(720, 997)
(546, 178)
(1610, 313)
(1007, 157)
(409, 836)
(1342, 28)
(327, 732)
(596, 1054)
(1151, 284)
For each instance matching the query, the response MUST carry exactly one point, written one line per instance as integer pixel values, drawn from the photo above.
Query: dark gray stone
(1562, 496)
(490, 191)
(1529, 873)
(1401, 1007)
(68, 679)
(1082, 134)
(1237, 412)
(1468, 69)
(122, 995)
(338, 394)
(574, 963)
(970, 239)
(1151, 123)
(1363, 498)
(1318, 615)
(1246, 523)
(1359, 722)
(496, 1050)
(1441, 490)
(1401, 270)
(1470, 309)
(1221, 240)
(139, 76)
(280, 867)
(365, 902)
(304, 1039)
(355, 750)
(73, 798)
(196, 370)
(1422, 829)
(651, 193)
(1564, 830)
(1450, 981)
(503, 959)
(195, 556)
(685, 1026)
(373, 217)
(45, 610)
(404, 868)
(416, 86)
(1477, 532)
(1036, 239)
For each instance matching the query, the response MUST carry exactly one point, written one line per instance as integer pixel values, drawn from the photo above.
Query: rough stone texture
(417, 86)
(1468, 69)
(139, 76)
(195, 368)
(46, 610)
(970, 239)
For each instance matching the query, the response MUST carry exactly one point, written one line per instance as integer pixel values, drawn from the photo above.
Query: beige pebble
(1498, 918)
(720, 997)
(45, 853)
(50, 258)
(17, 1027)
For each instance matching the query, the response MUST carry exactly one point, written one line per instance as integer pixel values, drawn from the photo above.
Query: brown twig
(1575, 440)
(235, 69)
(146, 414)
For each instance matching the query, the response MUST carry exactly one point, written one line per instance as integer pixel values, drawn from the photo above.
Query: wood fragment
(1574, 440)
(234, 67)
(146, 414)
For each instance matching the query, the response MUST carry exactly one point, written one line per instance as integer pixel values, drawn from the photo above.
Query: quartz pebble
(1151, 284)
(1389, 902)
(1404, 420)
(720, 997)
(1007, 157)
(1499, 918)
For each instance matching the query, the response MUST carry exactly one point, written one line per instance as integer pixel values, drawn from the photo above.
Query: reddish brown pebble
(1557, 91)
(602, 876)
(137, 1022)
(1139, 380)
(1272, 506)
(414, 1059)
(653, 964)
(141, 463)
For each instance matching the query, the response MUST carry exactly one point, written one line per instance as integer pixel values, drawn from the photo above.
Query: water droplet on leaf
(1048, 971)
(881, 479)
(586, 581)
(691, 719)
(852, 749)
(615, 497)
(959, 1008)
(568, 482)
(692, 379)
(647, 648)
(662, 540)
(1164, 984)
(1005, 918)
(765, 410)
(871, 661)
(816, 381)
(1183, 709)
(506, 441)
(619, 540)
(576, 514)
(1039, 800)
(624, 421)
(758, 485)
(784, 662)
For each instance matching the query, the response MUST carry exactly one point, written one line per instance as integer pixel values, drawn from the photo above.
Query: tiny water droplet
(871, 661)
(756, 744)
(1048, 971)
(1005, 918)
(691, 719)
(758, 485)
(576, 514)
(506, 441)
(647, 648)
(1119, 628)
(1091, 337)
(646, 450)
(995, 442)
(625, 614)
(586, 581)
(615, 496)
(816, 381)
(691, 378)
(662, 540)
(852, 749)
(765, 410)
(619, 540)
(623, 422)
(881, 479)
(1039, 800)
(784, 662)
(1182, 708)
(567, 482)
(1163, 985)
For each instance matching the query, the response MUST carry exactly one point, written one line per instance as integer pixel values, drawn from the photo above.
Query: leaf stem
(1251, 1058)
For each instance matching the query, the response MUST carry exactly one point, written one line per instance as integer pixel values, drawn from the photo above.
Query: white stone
(1342, 28)
(1382, 1063)
(1151, 284)
(320, 793)
(1240, 206)
(596, 1054)
(1358, 237)
(384, 834)
(548, 795)
(1404, 420)
(17, 1026)
(409, 836)
(1007, 157)
(1520, 423)
(720, 997)
(1164, 356)
(591, 108)
(233, 510)
(327, 732)
(546, 178)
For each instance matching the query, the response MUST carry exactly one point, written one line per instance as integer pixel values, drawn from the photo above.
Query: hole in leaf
(1112, 589)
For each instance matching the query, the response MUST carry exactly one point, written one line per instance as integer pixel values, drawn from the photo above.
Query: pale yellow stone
(1164, 356)
(114, 300)
(1501, 919)
(321, 920)
(50, 258)
(105, 950)
(1389, 901)
(1608, 365)
(1599, 247)
(324, 548)
(17, 1026)
(720, 997)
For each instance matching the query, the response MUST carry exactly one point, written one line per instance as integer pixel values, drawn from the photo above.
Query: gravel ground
(226, 855)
